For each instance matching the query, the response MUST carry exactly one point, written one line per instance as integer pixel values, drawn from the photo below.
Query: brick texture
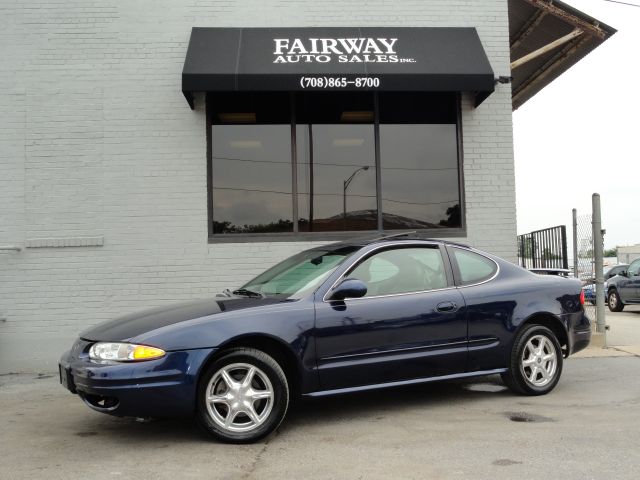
(97, 141)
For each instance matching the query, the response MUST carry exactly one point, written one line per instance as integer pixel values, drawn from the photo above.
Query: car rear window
(473, 268)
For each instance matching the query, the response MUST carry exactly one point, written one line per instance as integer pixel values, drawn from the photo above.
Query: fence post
(575, 242)
(563, 247)
(533, 251)
(598, 250)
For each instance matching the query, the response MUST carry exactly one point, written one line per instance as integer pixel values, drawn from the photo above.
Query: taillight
(581, 297)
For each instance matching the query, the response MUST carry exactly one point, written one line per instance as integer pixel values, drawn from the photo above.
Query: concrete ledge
(598, 340)
(629, 349)
(33, 353)
(62, 242)
(595, 352)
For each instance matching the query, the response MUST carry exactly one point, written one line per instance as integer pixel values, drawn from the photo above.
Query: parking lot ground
(624, 327)
(586, 428)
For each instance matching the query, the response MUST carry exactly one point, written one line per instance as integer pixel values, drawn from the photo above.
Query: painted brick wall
(99, 148)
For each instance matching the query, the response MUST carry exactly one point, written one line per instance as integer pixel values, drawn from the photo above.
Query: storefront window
(419, 160)
(336, 163)
(328, 181)
(251, 165)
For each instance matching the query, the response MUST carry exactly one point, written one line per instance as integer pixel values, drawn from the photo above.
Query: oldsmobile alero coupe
(339, 318)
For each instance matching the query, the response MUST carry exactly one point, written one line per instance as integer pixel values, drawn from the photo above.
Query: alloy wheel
(539, 361)
(239, 397)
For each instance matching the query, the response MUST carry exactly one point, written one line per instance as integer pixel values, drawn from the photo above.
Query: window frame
(374, 251)
(456, 268)
(296, 235)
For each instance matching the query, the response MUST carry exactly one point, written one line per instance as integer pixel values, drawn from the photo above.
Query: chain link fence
(584, 262)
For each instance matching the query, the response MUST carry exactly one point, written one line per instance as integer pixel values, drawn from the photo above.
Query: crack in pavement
(254, 465)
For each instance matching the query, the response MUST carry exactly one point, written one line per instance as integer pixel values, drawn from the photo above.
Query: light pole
(345, 185)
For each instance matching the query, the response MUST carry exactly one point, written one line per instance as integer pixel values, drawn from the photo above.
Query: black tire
(268, 413)
(517, 378)
(614, 302)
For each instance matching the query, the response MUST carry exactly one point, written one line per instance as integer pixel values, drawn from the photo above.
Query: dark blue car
(340, 318)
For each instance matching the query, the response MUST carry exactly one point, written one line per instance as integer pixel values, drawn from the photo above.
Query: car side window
(473, 268)
(634, 268)
(402, 270)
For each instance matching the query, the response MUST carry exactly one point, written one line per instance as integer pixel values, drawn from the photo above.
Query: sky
(581, 135)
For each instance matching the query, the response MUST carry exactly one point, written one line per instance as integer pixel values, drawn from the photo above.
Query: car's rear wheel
(614, 302)
(535, 363)
(242, 396)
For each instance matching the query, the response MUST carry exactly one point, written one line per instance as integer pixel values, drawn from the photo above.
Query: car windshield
(615, 269)
(298, 275)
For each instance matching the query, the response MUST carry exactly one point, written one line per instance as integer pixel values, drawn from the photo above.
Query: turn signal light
(144, 352)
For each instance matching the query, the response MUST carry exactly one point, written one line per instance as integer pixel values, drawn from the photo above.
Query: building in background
(628, 253)
(304, 122)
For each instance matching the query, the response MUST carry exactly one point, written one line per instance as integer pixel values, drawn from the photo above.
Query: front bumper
(165, 387)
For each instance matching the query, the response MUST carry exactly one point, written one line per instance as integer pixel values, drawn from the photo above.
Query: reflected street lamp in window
(345, 185)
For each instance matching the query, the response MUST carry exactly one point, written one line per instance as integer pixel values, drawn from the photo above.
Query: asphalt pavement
(586, 428)
(624, 327)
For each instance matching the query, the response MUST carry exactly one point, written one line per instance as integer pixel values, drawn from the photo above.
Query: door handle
(446, 307)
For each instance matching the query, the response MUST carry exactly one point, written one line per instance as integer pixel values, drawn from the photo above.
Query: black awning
(292, 59)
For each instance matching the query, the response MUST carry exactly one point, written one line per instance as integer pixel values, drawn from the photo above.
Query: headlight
(124, 352)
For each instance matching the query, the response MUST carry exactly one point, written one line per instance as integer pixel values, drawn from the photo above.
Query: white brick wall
(96, 140)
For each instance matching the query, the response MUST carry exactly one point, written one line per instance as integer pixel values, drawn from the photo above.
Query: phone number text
(339, 82)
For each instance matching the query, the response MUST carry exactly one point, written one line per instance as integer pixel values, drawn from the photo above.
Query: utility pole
(598, 250)
(575, 242)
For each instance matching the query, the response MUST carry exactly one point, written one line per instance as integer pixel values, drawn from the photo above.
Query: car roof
(377, 238)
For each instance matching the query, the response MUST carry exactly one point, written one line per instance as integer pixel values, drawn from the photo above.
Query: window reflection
(419, 176)
(336, 177)
(252, 175)
(251, 178)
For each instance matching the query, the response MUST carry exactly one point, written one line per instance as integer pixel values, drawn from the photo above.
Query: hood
(135, 324)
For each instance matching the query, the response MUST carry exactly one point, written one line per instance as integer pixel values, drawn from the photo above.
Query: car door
(630, 287)
(489, 308)
(410, 324)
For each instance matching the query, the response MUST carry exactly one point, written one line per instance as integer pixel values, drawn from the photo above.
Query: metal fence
(583, 261)
(545, 248)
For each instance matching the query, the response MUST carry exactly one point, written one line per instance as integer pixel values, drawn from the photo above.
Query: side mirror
(624, 273)
(349, 288)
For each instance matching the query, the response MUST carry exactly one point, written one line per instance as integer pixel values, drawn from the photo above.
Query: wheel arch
(272, 346)
(553, 323)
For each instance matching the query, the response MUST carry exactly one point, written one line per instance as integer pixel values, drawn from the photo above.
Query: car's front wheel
(242, 396)
(614, 302)
(535, 363)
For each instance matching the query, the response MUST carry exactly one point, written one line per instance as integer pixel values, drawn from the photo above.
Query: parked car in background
(615, 270)
(347, 317)
(589, 287)
(590, 293)
(624, 288)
